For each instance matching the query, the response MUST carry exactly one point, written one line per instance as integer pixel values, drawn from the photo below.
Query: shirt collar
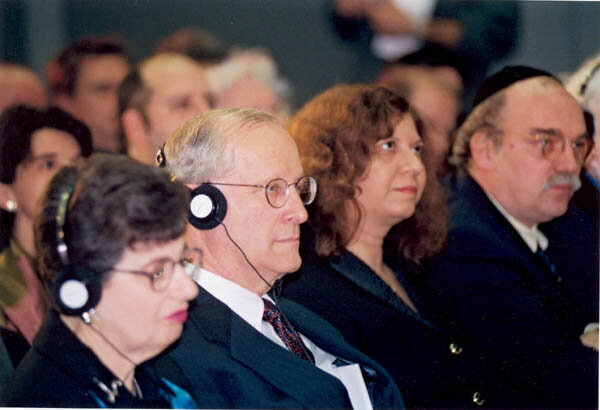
(533, 237)
(244, 303)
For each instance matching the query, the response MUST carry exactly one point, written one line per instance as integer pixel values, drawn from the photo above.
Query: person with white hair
(584, 85)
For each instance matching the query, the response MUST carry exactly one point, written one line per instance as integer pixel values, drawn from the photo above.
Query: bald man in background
(20, 85)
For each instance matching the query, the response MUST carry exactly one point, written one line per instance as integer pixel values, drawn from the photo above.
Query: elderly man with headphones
(243, 346)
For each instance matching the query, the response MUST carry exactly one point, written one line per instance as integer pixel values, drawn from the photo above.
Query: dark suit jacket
(432, 369)
(229, 364)
(525, 319)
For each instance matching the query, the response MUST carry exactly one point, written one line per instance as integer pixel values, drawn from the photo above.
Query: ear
(65, 102)
(6, 194)
(136, 137)
(482, 150)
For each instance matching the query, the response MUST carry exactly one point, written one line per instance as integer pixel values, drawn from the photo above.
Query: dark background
(554, 35)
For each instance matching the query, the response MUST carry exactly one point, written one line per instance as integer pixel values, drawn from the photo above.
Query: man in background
(157, 96)
(84, 79)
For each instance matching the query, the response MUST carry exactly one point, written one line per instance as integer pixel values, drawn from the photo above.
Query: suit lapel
(276, 365)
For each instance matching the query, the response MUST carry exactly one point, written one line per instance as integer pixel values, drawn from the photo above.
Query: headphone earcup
(208, 207)
(76, 290)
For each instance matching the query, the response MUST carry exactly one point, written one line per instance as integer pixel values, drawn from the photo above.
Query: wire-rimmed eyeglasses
(277, 191)
(161, 271)
(551, 145)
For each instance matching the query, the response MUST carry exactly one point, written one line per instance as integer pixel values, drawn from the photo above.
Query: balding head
(20, 85)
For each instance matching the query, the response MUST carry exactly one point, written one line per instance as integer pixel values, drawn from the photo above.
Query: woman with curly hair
(377, 219)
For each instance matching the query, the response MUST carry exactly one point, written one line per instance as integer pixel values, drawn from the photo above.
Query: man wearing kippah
(519, 277)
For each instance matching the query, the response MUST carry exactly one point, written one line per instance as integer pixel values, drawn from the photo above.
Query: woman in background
(34, 144)
(109, 236)
(377, 218)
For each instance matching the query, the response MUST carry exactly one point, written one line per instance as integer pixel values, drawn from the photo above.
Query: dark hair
(17, 126)
(63, 71)
(134, 93)
(335, 133)
(116, 203)
(202, 46)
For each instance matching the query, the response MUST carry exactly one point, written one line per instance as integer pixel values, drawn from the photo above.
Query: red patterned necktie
(290, 338)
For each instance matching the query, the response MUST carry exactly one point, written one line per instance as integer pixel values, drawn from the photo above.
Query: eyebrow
(43, 156)
(557, 133)
(547, 131)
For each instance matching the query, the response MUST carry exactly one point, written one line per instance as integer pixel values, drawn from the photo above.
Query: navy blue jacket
(231, 365)
(432, 369)
(524, 319)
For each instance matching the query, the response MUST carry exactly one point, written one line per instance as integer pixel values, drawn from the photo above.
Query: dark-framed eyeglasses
(552, 145)
(277, 191)
(161, 271)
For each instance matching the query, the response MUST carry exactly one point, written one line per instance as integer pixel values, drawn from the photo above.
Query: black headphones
(76, 289)
(208, 207)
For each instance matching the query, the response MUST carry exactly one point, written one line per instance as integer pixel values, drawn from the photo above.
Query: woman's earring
(11, 206)
(89, 316)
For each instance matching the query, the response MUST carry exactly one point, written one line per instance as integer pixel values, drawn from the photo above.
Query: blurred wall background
(556, 35)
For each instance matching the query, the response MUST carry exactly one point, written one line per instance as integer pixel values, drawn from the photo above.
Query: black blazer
(59, 371)
(524, 319)
(432, 369)
(231, 365)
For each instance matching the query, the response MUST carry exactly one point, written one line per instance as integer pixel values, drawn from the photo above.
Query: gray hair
(197, 152)
(484, 118)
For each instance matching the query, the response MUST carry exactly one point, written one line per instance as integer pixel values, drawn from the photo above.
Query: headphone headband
(76, 290)
(61, 214)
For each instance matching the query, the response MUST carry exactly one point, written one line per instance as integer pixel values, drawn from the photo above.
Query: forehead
(50, 140)
(174, 75)
(541, 103)
(103, 66)
(264, 151)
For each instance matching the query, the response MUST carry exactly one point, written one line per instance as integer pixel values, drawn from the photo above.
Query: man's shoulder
(476, 228)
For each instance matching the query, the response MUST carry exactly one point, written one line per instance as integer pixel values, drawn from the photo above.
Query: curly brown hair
(336, 132)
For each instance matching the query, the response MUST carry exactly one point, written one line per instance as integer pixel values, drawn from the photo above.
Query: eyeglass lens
(553, 145)
(162, 275)
(278, 191)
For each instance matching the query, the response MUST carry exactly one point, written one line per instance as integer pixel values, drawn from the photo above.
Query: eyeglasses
(162, 271)
(277, 190)
(552, 145)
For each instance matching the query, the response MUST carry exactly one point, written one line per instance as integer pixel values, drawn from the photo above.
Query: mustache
(564, 178)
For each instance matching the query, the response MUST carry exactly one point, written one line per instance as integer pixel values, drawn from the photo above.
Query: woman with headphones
(109, 237)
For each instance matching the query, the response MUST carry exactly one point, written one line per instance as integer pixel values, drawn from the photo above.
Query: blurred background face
(248, 92)
(20, 86)
(179, 93)
(395, 180)
(138, 320)
(51, 149)
(438, 108)
(95, 100)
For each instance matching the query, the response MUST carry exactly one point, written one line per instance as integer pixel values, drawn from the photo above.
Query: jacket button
(455, 349)
(478, 398)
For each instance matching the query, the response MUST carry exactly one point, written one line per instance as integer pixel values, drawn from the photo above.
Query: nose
(295, 210)
(566, 161)
(202, 103)
(185, 287)
(410, 162)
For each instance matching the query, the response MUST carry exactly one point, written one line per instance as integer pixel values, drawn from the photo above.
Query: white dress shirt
(250, 307)
(533, 237)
